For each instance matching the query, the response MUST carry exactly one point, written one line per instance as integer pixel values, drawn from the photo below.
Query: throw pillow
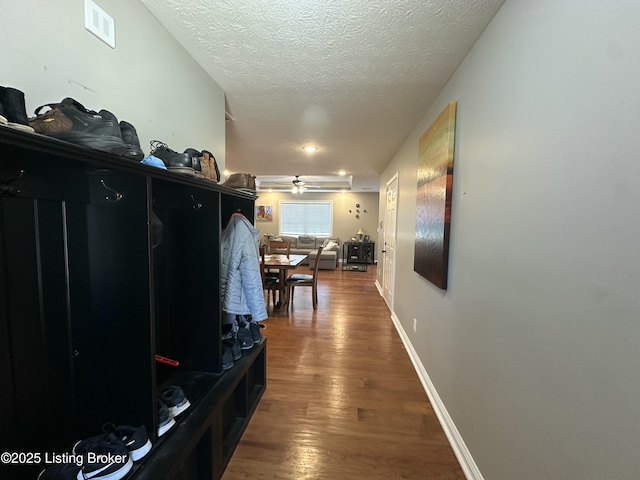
(330, 245)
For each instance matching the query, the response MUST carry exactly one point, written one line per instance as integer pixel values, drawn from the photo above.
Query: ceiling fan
(299, 186)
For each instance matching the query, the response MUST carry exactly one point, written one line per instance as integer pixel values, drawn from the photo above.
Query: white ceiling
(352, 77)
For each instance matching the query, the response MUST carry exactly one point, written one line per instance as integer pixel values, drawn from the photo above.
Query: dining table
(283, 264)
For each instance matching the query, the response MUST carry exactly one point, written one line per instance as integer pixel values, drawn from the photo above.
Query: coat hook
(196, 204)
(117, 195)
(6, 189)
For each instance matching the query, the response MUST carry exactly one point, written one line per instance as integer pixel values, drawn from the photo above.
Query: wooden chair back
(268, 283)
(280, 247)
(302, 280)
(316, 268)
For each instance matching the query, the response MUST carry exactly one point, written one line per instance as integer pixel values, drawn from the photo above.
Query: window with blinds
(306, 218)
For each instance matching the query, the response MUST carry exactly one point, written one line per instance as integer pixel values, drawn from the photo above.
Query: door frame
(389, 283)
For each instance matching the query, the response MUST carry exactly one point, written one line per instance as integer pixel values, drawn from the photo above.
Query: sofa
(308, 245)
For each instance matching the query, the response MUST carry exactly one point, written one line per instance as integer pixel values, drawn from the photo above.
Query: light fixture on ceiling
(299, 186)
(342, 173)
(310, 148)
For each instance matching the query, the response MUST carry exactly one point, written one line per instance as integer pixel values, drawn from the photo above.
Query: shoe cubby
(104, 264)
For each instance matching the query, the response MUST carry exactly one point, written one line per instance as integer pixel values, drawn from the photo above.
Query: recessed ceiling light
(342, 172)
(310, 148)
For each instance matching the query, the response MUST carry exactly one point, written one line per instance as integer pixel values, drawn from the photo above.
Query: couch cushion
(328, 260)
(306, 242)
(324, 254)
(291, 239)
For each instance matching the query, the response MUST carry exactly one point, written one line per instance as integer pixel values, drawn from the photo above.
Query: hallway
(343, 400)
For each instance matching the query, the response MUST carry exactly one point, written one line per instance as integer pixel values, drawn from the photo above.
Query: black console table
(362, 253)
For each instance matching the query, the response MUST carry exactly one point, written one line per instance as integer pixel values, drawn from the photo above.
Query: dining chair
(305, 280)
(278, 247)
(269, 283)
(282, 247)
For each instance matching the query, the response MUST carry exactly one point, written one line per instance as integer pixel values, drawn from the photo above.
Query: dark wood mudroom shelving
(91, 289)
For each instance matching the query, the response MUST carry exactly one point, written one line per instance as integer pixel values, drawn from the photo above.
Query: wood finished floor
(343, 400)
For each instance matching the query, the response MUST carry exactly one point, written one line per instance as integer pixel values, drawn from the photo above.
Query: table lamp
(360, 232)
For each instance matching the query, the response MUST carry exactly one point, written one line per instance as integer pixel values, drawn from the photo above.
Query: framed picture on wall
(264, 213)
(433, 203)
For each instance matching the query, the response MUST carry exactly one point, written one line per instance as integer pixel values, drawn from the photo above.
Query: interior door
(389, 238)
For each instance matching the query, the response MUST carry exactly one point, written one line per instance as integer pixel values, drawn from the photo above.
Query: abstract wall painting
(433, 206)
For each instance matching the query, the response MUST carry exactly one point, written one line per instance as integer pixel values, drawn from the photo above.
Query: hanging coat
(240, 279)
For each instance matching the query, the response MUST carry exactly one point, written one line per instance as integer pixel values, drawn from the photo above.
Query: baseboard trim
(468, 465)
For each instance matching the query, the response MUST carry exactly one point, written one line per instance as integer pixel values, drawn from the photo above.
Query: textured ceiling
(352, 77)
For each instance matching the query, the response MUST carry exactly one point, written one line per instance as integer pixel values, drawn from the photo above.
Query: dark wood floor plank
(343, 400)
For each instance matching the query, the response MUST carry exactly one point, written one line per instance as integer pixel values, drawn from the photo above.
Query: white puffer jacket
(240, 280)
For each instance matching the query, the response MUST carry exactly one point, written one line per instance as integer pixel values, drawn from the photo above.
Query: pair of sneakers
(231, 350)
(248, 331)
(171, 403)
(72, 122)
(242, 334)
(108, 456)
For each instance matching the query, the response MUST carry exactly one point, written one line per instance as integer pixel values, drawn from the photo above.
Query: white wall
(535, 346)
(148, 79)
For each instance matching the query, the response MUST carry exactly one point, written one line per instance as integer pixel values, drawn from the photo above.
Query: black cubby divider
(105, 263)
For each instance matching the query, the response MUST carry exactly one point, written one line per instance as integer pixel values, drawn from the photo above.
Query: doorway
(389, 241)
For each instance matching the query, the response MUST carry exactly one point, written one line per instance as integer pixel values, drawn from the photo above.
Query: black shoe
(173, 397)
(12, 109)
(165, 421)
(195, 159)
(135, 438)
(131, 141)
(231, 350)
(71, 122)
(244, 332)
(174, 161)
(254, 328)
(227, 356)
(111, 457)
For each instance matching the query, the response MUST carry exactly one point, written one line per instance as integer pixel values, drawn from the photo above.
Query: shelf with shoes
(104, 263)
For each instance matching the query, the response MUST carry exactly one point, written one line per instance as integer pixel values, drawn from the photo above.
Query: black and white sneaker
(106, 457)
(254, 328)
(173, 397)
(230, 349)
(135, 438)
(245, 338)
(165, 421)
